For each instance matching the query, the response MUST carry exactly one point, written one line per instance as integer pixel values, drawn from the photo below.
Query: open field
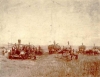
(51, 66)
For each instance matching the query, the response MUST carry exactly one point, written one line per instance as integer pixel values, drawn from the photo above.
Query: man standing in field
(33, 55)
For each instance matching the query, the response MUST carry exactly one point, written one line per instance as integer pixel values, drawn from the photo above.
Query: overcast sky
(43, 21)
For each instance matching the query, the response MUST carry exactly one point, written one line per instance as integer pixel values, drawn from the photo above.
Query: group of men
(29, 51)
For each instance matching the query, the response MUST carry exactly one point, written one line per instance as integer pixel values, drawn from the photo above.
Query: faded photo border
(51, 25)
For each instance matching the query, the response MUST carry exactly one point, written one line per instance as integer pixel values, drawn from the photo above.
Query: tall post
(68, 42)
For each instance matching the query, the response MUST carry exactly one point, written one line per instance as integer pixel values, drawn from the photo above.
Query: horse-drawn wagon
(53, 48)
(82, 48)
(91, 51)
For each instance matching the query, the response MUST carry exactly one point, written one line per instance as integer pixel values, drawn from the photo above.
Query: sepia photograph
(49, 38)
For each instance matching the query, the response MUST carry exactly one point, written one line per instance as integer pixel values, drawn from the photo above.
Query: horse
(89, 52)
(96, 52)
(7, 53)
(4, 51)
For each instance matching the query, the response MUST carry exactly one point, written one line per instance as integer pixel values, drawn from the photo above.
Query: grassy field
(51, 66)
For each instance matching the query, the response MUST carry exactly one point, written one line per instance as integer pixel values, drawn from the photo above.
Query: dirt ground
(50, 66)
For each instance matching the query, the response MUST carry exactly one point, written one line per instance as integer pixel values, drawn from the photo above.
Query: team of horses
(91, 52)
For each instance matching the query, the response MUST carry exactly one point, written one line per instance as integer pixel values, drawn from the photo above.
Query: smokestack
(19, 41)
